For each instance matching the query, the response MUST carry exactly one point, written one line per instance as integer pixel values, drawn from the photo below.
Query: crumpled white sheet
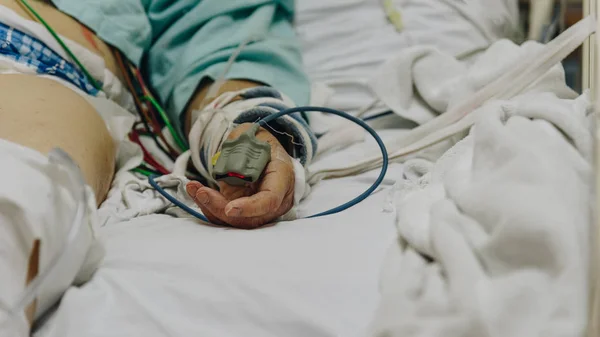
(445, 84)
(132, 197)
(345, 41)
(166, 276)
(32, 179)
(38, 199)
(505, 216)
(423, 82)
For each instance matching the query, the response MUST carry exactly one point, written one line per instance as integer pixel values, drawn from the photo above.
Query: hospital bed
(166, 276)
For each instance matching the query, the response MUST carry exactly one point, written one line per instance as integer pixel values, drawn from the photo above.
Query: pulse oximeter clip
(242, 160)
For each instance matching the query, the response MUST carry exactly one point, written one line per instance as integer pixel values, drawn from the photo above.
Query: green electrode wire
(165, 118)
(143, 171)
(63, 45)
(95, 83)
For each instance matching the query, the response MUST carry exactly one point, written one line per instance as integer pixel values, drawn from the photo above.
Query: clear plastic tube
(458, 119)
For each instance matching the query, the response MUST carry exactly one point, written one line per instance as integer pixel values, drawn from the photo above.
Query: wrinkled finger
(235, 192)
(252, 223)
(213, 220)
(192, 189)
(211, 201)
(260, 204)
(213, 204)
(276, 184)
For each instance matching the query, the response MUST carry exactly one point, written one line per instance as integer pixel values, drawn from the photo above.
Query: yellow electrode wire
(215, 158)
(393, 15)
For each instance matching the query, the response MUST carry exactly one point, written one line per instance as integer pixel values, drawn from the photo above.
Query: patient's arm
(200, 99)
(247, 206)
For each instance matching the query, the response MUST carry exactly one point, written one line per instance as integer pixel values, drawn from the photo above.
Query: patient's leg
(42, 114)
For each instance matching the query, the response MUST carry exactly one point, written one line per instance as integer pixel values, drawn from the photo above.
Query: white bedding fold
(505, 216)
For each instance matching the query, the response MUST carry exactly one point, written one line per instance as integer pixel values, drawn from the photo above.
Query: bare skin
(67, 27)
(56, 116)
(42, 114)
(257, 204)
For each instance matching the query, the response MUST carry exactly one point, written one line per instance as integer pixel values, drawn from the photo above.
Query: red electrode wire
(143, 109)
(147, 156)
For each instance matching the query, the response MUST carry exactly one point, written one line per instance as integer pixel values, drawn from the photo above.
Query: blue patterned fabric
(28, 50)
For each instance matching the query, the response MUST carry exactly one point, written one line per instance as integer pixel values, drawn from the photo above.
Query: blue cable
(375, 116)
(365, 119)
(351, 118)
(285, 112)
(175, 201)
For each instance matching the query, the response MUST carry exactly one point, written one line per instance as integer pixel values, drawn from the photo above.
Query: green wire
(163, 115)
(143, 171)
(63, 45)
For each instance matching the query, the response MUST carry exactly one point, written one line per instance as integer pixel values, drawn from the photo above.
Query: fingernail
(192, 190)
(202, 198)
(233, 211)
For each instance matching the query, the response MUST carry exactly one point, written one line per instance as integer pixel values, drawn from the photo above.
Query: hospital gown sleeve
(181, 42)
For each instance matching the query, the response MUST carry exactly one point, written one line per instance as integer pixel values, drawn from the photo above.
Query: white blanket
(165, 276)
(504, 215)
(345, 41)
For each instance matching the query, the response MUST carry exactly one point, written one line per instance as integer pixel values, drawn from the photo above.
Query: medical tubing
(135, 137)
(62, 44)
(216, 85)
(263, 122)
(93, 80)
(95, 83)
(148, 97)
(143, 171)
(180, 142)
(175, 201)
(506, 86)
(351, 118)
(378, 115)
(147, 119)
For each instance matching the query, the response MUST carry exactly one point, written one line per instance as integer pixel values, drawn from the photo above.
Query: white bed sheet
(345, 41)
(165, 276)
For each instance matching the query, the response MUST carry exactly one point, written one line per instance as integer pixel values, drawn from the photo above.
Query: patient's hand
(254, 205)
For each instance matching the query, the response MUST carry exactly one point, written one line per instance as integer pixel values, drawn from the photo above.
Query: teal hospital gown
(178, 43)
